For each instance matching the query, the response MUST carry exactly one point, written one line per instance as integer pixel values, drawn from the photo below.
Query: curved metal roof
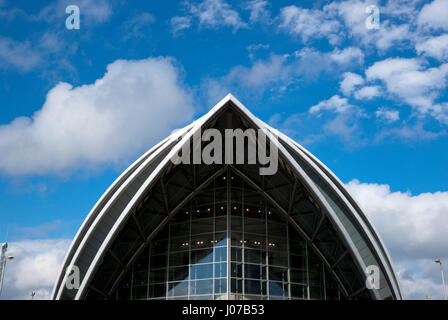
(109, 215)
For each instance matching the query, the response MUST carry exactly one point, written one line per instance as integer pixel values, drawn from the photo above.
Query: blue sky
(372, 104)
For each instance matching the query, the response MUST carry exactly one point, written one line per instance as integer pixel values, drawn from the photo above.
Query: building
(166, 230)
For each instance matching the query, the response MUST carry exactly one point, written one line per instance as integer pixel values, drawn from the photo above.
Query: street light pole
(3, 264)
(3, 259)
(443, 278)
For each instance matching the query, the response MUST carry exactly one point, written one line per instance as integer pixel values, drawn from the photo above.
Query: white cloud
(217, 13)
(349, 82)
(40, 231)
(440, 112)
(10, 13)
(413, 226)
(410, 80)
(180, 23)
(405, 9)
(309, 24)
(335, 104)
(279, 72)
(388, 115)
(18, 55)
(313, 62)
(256, 47)
(134, 105)
(367, 93)
(416, 286)
(436, 47)
(274, 72)
(390, 35)
(345, 126)
(35, 267)
(347, 56)
(353, 15)
(92, 11)
(414, 229)
(253, 48)
(138, 24)
(340, 119)
(434, 15)
(261, 73)
(258, 11)
(410, 132)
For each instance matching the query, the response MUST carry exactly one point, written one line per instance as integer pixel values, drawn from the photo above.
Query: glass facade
(229, 242)
(196, 230)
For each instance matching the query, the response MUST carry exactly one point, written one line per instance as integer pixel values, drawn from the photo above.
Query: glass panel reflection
(189, 258)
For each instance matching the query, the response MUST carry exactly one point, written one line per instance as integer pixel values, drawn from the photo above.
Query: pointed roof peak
(236, 104)
(231, 98)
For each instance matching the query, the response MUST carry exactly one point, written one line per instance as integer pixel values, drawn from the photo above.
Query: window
(189, 258)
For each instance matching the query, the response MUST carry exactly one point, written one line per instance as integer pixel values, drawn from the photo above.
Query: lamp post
(3, 259)
(443, 278)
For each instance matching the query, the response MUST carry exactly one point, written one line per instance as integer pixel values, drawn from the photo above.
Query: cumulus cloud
(433, 15)
(388, 115)
(413, 226)
(347, 55)
(335, 104)
(414, 229)
(311, 62)
(34, 268)
(367, 93)
(349, 82)
(410, 80)
(440, 112)
(390, 36)
(216, 13)
(346, 20)
(134, 105)
(420, 279)
(309, 24)
(336, 22)
(405, 9)
(436, 47)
